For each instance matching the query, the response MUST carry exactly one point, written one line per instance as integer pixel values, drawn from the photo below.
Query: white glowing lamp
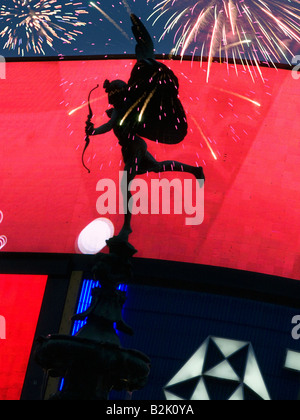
(93, 237)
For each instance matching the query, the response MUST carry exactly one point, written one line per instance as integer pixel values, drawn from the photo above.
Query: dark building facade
(211, 333)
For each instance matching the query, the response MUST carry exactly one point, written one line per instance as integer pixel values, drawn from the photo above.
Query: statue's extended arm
(105, 128)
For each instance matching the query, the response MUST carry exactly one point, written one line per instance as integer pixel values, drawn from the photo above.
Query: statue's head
(117, 91)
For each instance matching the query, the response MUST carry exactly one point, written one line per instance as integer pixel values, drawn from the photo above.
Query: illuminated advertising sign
(20, 302)
(229, 351)
(243, 129)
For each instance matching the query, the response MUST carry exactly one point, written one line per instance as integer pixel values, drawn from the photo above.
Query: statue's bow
(87, 138)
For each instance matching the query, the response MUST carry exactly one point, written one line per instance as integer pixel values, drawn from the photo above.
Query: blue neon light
(84, 302)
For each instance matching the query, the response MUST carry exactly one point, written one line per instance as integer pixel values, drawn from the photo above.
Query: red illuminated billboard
(20, 303)
(243, 128)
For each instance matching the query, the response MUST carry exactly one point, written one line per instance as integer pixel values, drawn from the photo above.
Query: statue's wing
(156, 112)
(144, 48)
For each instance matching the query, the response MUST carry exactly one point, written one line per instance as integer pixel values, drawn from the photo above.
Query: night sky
(102, 37)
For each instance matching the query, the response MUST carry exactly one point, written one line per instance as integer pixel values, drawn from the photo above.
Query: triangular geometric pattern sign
(222, 369)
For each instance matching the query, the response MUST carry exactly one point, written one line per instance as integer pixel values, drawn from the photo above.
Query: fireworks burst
(251, 31)
(31, 23)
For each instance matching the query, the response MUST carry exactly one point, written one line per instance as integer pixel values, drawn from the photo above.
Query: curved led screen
(243, 128)
(20, 303)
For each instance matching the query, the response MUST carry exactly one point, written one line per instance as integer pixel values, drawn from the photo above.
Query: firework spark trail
(132, 108)
(251, 31)
(148, 99)
(110, 20)
(204, 138)
(212, 46)
(73, 111)
(245, 98)
(127, 7)
(31, 23)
